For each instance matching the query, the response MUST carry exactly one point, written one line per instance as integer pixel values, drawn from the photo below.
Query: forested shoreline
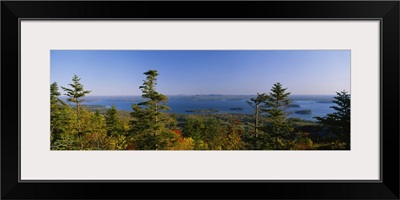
(147, 127)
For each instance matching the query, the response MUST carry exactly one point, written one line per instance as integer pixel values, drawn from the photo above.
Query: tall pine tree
(149, 124)
(338, 123)
(75, 95)
(278, 127)
(277, 102)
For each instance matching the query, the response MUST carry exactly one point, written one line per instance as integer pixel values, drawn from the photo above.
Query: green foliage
(183, 144)
(148, 127)
(76, 93)
(278, 127)
(77, 128)
(277, 102)
(65, 142)
(62, 121)
(303, 142)
(54, 94)
(210, 133)
(203, 130)
(193, 128)
(114, 125)
(338, 123)
(95, 141)
(151, 127)
(149, 92)
(118, 142)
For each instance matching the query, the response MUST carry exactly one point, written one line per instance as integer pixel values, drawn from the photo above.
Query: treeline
(74, 127)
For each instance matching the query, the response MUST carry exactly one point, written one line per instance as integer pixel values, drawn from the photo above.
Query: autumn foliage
(149, 127)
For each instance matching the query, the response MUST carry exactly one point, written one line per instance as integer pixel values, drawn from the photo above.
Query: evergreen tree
(54, 94)
(114, 125)
(57, 113)
(277, 102)
(194, 128)
(149, 124)
(76, 94)
(63, 125)
(156, 101)
(212, 133)
(95, 129)
(278, 127)
(338, 123)
(255, 103)
(54, 111)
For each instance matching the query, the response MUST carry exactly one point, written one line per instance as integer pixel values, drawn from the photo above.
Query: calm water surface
(318, 104)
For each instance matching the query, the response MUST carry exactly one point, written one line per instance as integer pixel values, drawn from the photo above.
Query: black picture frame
(13, 11)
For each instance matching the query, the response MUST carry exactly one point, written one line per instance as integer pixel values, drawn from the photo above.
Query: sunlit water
(318, 104)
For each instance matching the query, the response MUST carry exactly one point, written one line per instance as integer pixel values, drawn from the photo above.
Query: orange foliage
(178, 132)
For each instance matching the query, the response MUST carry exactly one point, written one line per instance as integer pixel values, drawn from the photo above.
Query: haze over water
(185, 104)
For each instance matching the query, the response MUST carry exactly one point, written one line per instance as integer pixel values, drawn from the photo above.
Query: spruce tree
(54, 94)
(148, 122)
(61, 119)
(114, 125)
(338, 123)
(277, 102)
(76, 94)
(278, 127)
(55, 112)
(156, 101)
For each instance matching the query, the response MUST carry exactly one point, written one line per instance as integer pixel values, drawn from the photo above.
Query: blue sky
(244, 72)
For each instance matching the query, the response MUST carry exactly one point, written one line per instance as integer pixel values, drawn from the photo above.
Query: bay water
(319, 105)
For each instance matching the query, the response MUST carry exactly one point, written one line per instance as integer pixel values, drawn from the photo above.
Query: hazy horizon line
(124, 95)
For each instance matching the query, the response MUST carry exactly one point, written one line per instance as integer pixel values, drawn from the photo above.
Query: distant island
(304, 112)
(237, 108)
(294, 105)
(210, 110)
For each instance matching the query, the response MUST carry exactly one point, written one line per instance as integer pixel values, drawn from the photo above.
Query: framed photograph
(213, 99)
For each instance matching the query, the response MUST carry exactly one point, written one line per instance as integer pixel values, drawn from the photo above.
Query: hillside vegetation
(148, 127)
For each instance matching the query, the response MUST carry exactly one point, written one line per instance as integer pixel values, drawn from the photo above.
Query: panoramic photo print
(200, 99)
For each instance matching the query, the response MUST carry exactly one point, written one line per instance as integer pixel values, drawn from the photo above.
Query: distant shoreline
(319, 105)
(185, 95)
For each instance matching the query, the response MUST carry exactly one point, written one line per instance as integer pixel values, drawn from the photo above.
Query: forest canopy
(148, 126)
